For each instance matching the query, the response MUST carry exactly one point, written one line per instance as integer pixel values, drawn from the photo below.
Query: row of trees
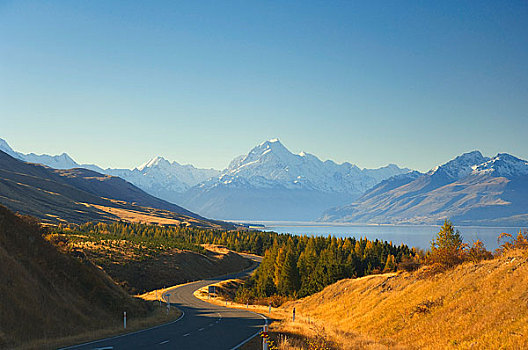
(292, 265)
(255, 242)
(303, 265)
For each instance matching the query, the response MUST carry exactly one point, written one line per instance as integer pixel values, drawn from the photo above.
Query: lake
(413, 235)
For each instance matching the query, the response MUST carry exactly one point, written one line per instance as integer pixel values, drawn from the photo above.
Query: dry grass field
(54, 293)
(472, 306)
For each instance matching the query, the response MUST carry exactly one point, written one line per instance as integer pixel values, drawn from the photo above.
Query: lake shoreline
(419, 236)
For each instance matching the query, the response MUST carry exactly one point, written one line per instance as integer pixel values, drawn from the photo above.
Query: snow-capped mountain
(164, 179)
(158, 177)
(62, 161)
(4, 147)
(272, 183)
(502, 164)
(273, 162)
(470, 189)
(459, 167)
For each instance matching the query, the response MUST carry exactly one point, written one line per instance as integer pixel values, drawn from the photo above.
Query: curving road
(202, 325)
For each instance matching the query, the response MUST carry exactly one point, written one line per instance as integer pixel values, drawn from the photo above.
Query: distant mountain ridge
(63, 161)
(159, 177)
(470, 189)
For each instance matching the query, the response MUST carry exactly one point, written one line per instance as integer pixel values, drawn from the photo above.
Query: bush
(519, 242)
(477, 252)
(409, 264)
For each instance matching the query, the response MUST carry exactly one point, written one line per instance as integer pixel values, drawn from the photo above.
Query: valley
(277, 175)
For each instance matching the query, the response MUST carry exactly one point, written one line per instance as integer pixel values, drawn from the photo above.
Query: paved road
(202, 326)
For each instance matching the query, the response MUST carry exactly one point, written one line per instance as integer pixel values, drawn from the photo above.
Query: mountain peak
(503, 164)
(461, 166)
(270, 141)
(273, 146)
(156, 161)
(4, 146)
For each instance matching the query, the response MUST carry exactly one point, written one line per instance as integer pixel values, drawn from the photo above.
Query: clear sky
(374, 82)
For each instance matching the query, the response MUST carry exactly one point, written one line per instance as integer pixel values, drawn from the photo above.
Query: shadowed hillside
(47, 294)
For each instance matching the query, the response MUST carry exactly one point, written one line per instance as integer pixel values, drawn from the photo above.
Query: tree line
(303, 265)
(292, 266)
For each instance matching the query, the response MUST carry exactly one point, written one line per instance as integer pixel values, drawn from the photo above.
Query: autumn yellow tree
(447, 248)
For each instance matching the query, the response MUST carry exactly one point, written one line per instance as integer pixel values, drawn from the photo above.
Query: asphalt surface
(202, 325)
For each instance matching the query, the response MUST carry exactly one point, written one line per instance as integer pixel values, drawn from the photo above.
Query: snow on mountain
(272, 183)
(63, 161)
(470, 189)
(461, 166)
(164, 179)
(502, 164)
(272, 161)
(158, 176)
(4, 147)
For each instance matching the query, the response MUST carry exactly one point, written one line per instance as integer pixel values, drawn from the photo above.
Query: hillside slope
(139, 269)
(476, 305)
(80, 195)
(49, 294)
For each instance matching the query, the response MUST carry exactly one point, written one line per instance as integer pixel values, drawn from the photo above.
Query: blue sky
(413, 83)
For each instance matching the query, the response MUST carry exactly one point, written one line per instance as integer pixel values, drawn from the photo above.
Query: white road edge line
(124, 335)
(254, 335)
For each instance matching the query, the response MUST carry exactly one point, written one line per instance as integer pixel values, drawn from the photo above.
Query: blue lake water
(413, 235)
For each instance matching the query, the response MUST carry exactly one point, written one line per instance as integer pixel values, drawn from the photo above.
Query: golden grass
(473, 306)
(136, 216)
(285, 334)
(476, 305)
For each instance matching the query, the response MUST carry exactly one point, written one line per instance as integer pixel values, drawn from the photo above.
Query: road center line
(164, 342)
(201, 329)
(186, 334)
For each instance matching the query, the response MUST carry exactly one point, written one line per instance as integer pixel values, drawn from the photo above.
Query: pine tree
(289, 276)
(447, 248)
(390, 264)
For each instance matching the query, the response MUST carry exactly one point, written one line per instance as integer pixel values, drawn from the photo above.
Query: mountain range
(159, 177)
(272, 183)
(268, 183)
(469, 190)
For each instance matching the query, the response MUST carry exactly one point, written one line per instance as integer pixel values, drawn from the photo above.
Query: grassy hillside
(139, 268)
(475, 305)
(47, 294)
